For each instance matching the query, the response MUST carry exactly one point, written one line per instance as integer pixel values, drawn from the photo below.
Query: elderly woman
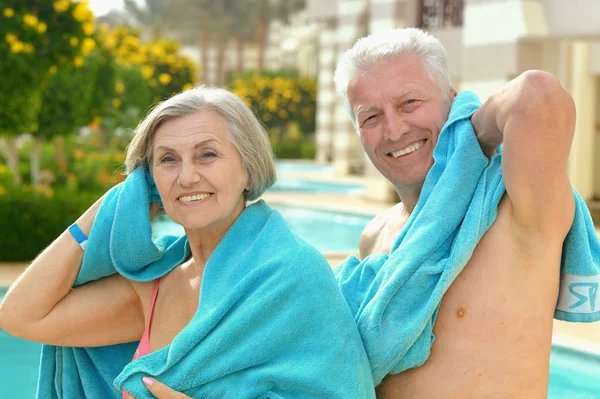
(238, 307)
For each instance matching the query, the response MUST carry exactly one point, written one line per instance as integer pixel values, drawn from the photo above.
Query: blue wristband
(78, 235)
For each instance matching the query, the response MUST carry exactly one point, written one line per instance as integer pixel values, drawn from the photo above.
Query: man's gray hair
(245, 132)
(377, 47)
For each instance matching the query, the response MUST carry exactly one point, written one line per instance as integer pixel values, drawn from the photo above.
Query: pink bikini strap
(154, 295)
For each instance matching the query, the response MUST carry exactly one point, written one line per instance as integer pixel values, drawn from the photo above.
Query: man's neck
(409, 197)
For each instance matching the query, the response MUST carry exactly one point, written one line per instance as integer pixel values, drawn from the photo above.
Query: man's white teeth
(408, 149)
(197, 197)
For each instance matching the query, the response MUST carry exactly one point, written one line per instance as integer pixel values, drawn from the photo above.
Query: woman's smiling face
(198, 171)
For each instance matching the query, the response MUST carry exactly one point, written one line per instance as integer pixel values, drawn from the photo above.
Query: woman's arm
(42, 305)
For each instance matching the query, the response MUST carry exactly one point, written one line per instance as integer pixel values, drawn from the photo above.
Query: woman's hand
(161, 391)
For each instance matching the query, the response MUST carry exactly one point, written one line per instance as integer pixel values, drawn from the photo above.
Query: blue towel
(271, 321)
(395, 298)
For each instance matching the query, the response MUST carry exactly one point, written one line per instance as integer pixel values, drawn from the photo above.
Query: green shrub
(30, 219)
(279, 100)
(308, 150)
(300, 149)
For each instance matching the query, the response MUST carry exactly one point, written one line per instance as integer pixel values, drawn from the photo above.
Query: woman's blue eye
(209, 155)
(167, 159)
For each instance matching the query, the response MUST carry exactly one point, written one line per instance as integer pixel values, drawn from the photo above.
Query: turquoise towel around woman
(395, 298)
(271, 321)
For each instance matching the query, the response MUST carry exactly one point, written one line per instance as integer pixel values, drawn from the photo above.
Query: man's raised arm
(535, 119)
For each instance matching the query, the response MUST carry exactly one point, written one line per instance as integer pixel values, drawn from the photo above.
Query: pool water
(327, 231)
(312, 186)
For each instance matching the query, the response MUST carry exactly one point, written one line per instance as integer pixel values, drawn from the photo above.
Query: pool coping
(576, 344)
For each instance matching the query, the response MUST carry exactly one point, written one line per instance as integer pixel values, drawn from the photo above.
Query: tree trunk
(203, 42)
(34, 161)
(220, 80)
(240, 41)
(262, 32)
(9, 149)
(262, 44)
(59, 150)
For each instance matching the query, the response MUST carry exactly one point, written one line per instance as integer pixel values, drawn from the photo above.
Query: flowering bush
(166, 70)
(35, 37)
(280, 101)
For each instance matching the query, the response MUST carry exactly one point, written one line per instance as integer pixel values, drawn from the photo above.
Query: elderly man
(493, 329)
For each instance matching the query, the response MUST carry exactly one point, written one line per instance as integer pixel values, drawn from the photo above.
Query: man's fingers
(161, 391)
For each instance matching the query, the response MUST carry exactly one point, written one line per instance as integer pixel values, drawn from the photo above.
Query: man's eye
(368, 118)
(411, 104)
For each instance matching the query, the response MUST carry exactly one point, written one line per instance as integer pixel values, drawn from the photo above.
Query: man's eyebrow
(362, 110)
(407, 91)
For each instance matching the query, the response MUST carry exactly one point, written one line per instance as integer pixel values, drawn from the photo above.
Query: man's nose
(188, 174)
(395, 128)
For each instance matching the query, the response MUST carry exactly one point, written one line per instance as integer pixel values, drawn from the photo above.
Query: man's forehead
(367, 106)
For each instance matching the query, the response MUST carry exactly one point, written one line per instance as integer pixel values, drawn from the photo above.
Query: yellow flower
(152, 82)
(8, 12)
(283, 114)
(2, 190)
(28, 48)
(53, 69)
(187, 86)
(3, 169)
(104, 29)
(116, 102)
(61, 5)
(10, 38)
(82, 13)
(30, 20)
(88, 45)
(110, 42)
(164, 79)
(74, 41)
(41, 28)
(119, 87)
(16, 47)
(88, 29)
(78, 61)
(147, 71)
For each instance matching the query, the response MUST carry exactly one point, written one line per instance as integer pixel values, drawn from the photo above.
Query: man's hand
(485, 124)
(161, 391)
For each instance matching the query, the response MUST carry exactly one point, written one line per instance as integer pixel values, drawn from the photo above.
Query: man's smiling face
(400, 113)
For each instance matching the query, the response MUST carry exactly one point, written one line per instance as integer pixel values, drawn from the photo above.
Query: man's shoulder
(381, 223)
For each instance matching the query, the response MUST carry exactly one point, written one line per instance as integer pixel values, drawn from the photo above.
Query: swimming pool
(313, 186)
(326, 230)
(573, 374)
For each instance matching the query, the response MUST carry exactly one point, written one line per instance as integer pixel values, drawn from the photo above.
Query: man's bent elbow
(542, 93)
